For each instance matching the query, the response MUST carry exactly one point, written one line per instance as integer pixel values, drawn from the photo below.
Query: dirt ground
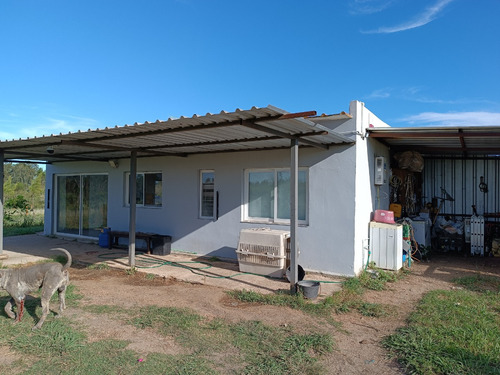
(358, 349)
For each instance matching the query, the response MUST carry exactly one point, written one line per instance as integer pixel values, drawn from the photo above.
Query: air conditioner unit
(379, 170)
(386, 245)
(263, 251)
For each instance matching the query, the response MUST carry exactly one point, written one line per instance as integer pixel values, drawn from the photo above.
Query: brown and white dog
(48, 276)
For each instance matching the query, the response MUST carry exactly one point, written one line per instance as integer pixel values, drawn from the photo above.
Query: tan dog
(49, 276)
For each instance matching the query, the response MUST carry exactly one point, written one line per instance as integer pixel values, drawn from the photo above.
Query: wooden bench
(114, 235)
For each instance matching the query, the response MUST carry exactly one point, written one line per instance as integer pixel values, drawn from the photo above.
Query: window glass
(207, 194)
(283, 188)
(261, 194)
(152, 189)
(139, 194)
(268, 195)
(149, 189)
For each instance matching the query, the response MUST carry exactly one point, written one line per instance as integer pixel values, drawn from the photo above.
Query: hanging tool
(483, 187)
(446, 197)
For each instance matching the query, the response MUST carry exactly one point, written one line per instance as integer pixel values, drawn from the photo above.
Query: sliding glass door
(82, 204)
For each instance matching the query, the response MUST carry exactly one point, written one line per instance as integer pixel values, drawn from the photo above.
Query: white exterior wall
(341, 198)
(368, 196)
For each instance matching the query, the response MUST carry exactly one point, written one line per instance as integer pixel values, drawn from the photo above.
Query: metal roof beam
(147, 150)
(228, 141)
(445, 150)
(43, 155)
(281, 134)
(430, 134)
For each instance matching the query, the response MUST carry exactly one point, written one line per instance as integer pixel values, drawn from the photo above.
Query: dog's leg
(45, 301)
(21, 312)
(62, 291)
(62, 299)
(20, 309)
(8, 309)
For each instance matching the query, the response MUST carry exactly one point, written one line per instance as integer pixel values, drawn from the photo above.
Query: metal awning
(268, 128)
(449, 141)
(264, 128)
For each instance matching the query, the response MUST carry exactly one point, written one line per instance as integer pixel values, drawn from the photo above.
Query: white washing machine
(422, 232)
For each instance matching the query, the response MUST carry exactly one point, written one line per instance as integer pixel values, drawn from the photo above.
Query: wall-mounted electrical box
(379, 170)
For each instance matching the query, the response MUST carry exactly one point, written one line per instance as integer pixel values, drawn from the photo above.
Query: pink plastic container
(382, 216)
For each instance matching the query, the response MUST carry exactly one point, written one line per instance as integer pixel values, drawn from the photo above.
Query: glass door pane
(94, 204)
(82, 204)
(68, 204)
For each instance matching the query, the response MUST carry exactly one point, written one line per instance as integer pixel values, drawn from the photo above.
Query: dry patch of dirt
(7, 357)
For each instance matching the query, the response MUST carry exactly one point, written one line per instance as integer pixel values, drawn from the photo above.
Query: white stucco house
(202, 179)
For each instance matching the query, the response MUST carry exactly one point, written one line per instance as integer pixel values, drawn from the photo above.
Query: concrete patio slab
(185, 267)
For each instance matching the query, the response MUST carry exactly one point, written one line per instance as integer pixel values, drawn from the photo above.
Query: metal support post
(294, 172)
(133, 206)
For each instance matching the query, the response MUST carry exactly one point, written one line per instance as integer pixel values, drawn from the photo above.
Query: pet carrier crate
(263, 251)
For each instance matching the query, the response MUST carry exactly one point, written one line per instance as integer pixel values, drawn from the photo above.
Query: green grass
(18, 231)
(259, 348)
(453, 332)
(99, 266)
(210, 346)
(20, 223)
(349, 298)
(479, 283)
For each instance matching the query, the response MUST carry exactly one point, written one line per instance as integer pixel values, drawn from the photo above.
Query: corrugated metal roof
(242, 130)
(463, 141)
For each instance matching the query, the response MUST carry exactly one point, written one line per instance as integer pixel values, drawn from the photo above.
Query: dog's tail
(68, 263)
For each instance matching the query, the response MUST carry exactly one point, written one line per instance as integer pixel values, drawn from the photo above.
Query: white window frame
(201, 216)
(127, 190)
(275, 220)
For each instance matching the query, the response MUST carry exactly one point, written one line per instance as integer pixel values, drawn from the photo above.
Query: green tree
(23, 173)
(25, 180)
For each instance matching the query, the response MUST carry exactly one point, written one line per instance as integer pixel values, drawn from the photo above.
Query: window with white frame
(207, 194)
(267, 195)
(149, 189)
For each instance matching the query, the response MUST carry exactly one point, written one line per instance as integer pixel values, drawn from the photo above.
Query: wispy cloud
(369, 6)
(454, 119)
(428, 15)
(417, 94)
(379, 94)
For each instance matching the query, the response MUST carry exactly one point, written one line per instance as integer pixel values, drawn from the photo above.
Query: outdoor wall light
(113, 163)
(50, 150)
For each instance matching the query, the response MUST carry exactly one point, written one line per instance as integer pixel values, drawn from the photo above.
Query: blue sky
(70, 65)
